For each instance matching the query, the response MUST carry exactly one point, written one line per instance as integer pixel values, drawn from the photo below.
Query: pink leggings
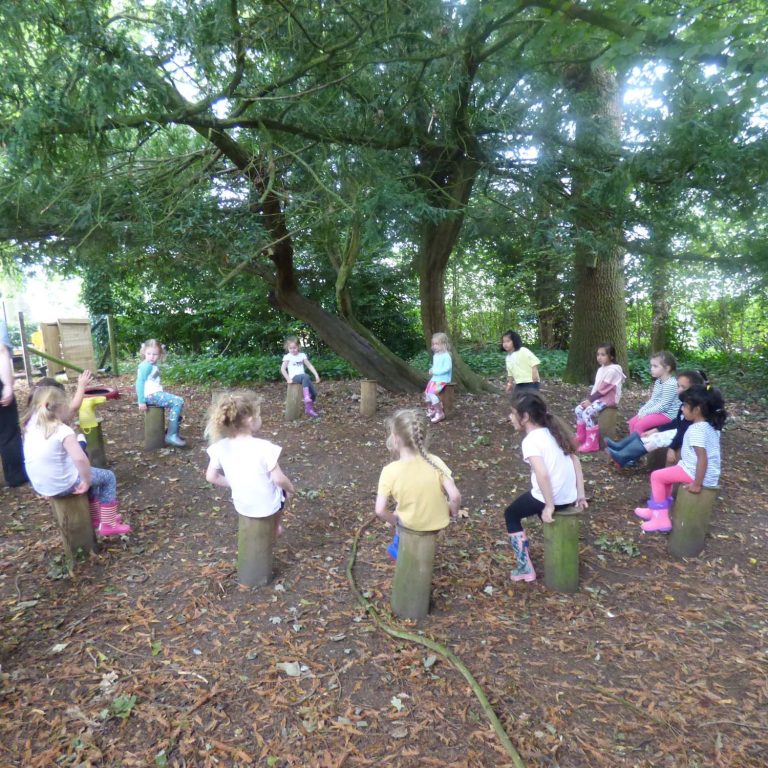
(641, 423)
(662, 481)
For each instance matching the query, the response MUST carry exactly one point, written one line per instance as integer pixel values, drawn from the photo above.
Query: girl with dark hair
(605, 393)
(699, 465)
(522, 364)
(556, 478)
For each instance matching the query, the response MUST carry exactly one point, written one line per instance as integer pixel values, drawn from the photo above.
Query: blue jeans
(306, 382)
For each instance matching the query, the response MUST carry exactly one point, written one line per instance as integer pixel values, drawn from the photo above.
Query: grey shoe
(175, 441)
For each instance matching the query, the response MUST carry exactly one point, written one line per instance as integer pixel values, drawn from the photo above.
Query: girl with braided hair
(244, 463)
(556, 478)
(418, 481)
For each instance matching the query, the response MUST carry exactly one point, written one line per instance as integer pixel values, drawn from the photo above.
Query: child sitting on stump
(418, 481)
(57, 465)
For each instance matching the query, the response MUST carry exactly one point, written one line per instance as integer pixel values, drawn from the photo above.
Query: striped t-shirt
(664, 399)
(701, 434)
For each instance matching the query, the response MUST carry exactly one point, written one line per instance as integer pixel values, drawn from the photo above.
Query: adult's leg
(11, 451)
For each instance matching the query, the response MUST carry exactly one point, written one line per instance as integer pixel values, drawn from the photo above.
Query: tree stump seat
(368, 397)
(448, 399)
(608, 422)
(691, 515)
(412, 583)
(154, 428)
(656, 459)
(74, 519)
(294, 401)
(561, 551)
(255, 542)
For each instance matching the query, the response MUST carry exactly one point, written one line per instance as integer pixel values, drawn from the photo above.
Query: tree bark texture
(600, 309)
(659, 304)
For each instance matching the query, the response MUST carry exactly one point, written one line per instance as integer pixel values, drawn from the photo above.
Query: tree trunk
(659, 303)
(599, 312)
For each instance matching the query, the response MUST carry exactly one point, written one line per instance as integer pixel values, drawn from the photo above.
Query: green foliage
(122, 706)
(243, 369)
(617, 544)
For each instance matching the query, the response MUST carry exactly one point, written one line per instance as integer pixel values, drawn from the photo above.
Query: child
(292, 369)
(150, 392)
(662, 407)
(246, 464)
(418, 481)
(699, 464)
(626, 452)
(556, 478)
(522, 365)
(57, 465)
(440, 375)
(11, 452)
(606, 393)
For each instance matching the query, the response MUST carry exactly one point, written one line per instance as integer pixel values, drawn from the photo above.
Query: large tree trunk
(599, 312)
(660, 309)
(452, 179)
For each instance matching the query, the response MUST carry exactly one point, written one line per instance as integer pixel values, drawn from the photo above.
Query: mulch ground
(150, 654)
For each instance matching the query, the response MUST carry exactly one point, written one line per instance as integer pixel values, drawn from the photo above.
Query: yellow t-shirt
(519, 364)
(417, 488)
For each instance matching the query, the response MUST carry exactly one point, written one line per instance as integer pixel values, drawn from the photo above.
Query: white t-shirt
(701, 434)
(49, 467)
(295, 363)
(562, 475)
(246, 463)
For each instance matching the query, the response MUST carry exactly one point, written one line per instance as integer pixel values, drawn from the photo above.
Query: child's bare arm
(284, 371)
(382, 510)
(535, 373)
(581, 498)
(281, 481)
(701, 469)
(83, 380)
(540, 470)
(312, 370)
(214, 475)
(454, 496)
(80, 460)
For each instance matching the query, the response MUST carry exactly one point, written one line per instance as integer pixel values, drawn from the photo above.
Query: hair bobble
(709, 387)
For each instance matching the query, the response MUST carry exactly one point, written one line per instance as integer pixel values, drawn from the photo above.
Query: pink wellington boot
(581, 432)
(660, 521)
(524, 569)
(646, 513)
(592, 441)
(95, 509)
(308, 407)
(109, 525)
(439, 414)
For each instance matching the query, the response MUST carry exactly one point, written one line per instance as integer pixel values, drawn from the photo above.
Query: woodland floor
(654, 662)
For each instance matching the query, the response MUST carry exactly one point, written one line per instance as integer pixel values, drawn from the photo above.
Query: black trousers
(10, 445)
(525, 506)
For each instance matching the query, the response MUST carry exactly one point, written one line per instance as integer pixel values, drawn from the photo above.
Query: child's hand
(581, 503)
(142, 406)
(649, 432)
(509, 386)
(317, 379)
(547, 514)
(81, 487)
(585, 403)
(84, 379)
(693, 488)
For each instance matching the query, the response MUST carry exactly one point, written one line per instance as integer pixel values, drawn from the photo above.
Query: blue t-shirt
(442, 367)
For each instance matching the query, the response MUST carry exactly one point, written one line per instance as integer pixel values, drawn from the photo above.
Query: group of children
(683, 413)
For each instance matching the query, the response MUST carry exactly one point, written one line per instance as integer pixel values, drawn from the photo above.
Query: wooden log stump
(447, 398)
(608, 421)
(412, 584)
(94, 437)
(74, 519)
(294, 401)
(154, 428)
(656, 459)
(255, 540)
(561, 551)
(690, 515)
(368, 397)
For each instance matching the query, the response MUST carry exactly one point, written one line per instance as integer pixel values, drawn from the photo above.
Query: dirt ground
(150, 654)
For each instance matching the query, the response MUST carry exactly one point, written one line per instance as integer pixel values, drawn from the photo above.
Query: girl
(662, 407)
(245, 463)
(57, 465)
(418, 481)
(150, 392)
(556, 478)
(522, 364)
(11, 452)
(292, 369)
(606, 393)
(626, 452)
(699, 464)
(440, 375)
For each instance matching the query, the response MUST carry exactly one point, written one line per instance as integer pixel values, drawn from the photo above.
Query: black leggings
(525, 506)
